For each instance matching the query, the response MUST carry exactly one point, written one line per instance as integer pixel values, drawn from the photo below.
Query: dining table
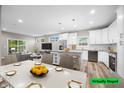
(53, 79)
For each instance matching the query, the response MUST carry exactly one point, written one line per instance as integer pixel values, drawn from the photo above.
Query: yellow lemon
(44, 70)
(38, 72)
(36, 67)
(33, 70)
(43, 66)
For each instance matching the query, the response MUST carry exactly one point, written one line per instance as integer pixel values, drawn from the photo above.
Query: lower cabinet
(85, 55)
(56, 58)
(104, 57)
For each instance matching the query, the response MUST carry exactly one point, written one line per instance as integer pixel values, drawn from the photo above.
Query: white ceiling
(44, 19)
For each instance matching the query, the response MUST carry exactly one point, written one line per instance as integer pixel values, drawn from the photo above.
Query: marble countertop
(81, 51)
(53, 79)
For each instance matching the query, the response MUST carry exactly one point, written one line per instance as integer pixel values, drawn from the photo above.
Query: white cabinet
(107, 35)
(56, 58)
(98, 36)
(104, 57)
(113, 33)
(85, 55)
(92, 37)
(105, 38)
(95, 37)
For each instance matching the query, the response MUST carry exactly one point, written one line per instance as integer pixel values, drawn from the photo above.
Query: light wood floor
(100, 70)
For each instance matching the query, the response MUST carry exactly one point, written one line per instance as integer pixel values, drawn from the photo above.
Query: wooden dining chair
(47, 58)
(66, 61)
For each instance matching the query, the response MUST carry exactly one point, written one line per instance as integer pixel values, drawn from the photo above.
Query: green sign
(105, 81)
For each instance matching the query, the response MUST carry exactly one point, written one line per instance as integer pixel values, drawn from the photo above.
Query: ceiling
(48, 19)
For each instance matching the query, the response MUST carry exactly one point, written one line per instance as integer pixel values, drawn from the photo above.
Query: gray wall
(8, 35)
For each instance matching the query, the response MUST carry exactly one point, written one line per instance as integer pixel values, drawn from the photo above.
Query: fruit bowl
(39, 71)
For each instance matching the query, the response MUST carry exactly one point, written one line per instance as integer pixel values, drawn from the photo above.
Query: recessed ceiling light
(91, 22)
(59, 23)
(4, 29)
(92, 11)
(120, 16)
(74, 26)
(62, 28)
(20, 21)
(73, 19)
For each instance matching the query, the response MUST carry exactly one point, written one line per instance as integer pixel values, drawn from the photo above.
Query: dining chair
(6, 60)
(9, 59)
(47, 58)
(66, 61)
(13, 58)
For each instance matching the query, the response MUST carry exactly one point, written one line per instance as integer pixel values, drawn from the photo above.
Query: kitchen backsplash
(102, 47)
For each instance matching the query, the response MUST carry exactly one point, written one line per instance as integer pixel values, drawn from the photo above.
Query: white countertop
(53, 79)
(71, 51)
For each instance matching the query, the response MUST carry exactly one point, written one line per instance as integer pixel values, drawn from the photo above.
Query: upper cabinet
(105, 36)
(108, 35)
(113, 33)
(92, 37)
(95, 37)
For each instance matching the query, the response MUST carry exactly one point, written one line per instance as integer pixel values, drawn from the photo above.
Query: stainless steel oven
(113, 61)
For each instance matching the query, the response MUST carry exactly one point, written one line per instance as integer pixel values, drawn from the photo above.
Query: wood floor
(100, 70)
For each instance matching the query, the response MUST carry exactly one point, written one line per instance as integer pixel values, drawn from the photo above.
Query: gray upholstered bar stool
(66, 61)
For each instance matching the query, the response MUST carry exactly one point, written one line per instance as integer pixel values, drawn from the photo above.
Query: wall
(45, 38)
(0, 35)
(120, 47)
(7, 35)
(83, 33)
(38, 41)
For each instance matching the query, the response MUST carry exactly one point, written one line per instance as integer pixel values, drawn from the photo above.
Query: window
(82, 41)
(63, 36)
(17, 46)
(54, 38)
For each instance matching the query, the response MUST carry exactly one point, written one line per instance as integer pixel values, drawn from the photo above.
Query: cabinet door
(92, 37)
(103, 57)
(110, 34)
(95, 37)
(56, 58)
(105, 39)
(106, 59)
(98, 36)
(113, 33)
(100, 56)
(85, 55)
